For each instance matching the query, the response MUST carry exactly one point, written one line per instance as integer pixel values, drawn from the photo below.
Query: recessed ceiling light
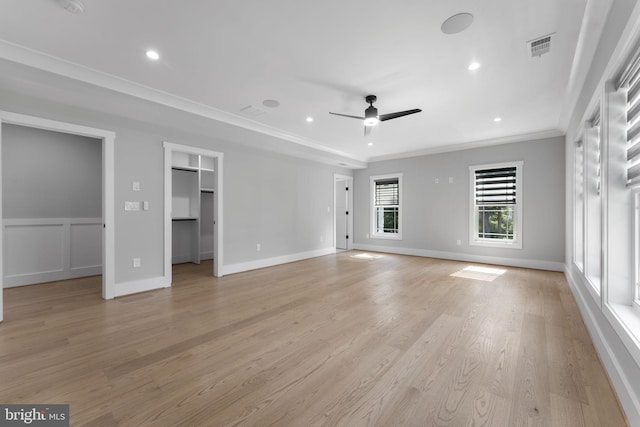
(152, 54)
(457, 23)
(474, 66)
(271, 103)
(497, 119)
(309, 119)
(370, 144)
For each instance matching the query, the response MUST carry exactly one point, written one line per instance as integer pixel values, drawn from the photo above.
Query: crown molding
(45, 62)
(551, 133)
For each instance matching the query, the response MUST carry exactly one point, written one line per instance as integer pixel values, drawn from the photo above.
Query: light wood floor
(333, 341)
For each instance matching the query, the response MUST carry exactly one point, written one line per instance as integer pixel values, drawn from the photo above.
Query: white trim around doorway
(169, 148)
(108, 193)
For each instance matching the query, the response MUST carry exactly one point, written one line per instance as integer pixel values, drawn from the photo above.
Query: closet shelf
(184, 168)
(184, 218)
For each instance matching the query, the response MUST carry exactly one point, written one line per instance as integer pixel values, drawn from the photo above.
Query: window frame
(635, 205)
(474, 240)
(594, 216)
(374, 208)
(579, 203)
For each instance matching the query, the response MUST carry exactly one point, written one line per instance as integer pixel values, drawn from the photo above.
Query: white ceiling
(218, 57)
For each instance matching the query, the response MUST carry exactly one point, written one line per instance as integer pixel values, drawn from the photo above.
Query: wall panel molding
(40, 250)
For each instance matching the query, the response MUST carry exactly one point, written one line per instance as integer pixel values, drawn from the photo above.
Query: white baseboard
(50, 276)
(268, 262)
(136, 286)
(458, 256)
(619, 378)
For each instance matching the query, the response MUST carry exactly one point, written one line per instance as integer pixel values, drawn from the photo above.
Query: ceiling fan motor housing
(371, 112)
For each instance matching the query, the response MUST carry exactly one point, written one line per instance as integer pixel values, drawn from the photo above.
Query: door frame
(108, 185)
(218, 238)
(349, 179)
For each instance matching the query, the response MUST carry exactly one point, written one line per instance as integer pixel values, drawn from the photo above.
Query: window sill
(626, 322)
(387, 236)
(494, 244)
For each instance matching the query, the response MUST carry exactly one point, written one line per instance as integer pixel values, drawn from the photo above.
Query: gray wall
(273, 199)
(435, 216)
(50, 175)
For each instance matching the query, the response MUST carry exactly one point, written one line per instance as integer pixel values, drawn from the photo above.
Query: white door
(342, 214)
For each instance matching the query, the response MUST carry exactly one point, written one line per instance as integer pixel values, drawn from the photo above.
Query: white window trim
(516, 243)
(635, 205)
(372, 192)
(578, 180)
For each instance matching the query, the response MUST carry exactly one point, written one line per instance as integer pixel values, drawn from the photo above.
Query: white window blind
(630, 79)
(496, 186)
(387, 192)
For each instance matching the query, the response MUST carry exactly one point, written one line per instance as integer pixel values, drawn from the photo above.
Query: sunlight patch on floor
(367, 256)
(479, 273)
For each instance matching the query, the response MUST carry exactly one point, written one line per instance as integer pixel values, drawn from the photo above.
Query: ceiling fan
(371, 117)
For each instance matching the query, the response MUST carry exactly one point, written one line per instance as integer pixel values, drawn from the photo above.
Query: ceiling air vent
(252, 111)
(540, 46)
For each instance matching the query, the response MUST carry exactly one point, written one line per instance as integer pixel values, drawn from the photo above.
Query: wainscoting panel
(84, 250)
(40, 250)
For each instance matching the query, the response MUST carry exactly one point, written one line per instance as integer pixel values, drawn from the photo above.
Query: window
(496, 205)
(386, 211)
(630, 81)
(593, 202)
(578, 221)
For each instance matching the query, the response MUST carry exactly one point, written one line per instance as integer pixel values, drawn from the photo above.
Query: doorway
(193, 212)
(107, 139)
(342, 215)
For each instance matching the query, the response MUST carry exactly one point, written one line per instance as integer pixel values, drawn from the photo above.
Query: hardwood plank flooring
(340, 340)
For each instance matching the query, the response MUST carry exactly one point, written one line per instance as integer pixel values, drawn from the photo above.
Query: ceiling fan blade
(383, 117)
(367, 130)
(346, 115)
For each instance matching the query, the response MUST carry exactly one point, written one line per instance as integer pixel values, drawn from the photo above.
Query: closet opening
(193, 208)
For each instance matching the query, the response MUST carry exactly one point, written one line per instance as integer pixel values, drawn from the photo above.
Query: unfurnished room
(292, 213)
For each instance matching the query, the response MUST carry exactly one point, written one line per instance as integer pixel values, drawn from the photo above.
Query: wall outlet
(321, 239)
(258, 247)
(367, 235)
(437, 180)
(136, 262)
(145, 205)
(459, 242)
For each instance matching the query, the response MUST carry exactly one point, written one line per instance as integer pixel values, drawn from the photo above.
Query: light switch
(450, 180)
(136, 186)
(131, 206)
